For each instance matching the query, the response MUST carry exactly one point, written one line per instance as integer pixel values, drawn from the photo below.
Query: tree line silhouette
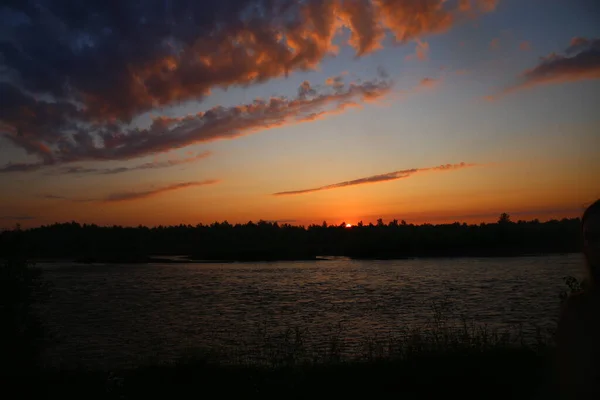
(269, 241)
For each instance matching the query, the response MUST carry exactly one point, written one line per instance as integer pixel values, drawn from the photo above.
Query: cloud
(525, 45)
(127, 196)
(336, 82)
(137, 195)
(20, 167)
(390, 176)
(421, 51)
(149, 165)
(102, 64)
(580, 62)
(363, 20)
(217, 123)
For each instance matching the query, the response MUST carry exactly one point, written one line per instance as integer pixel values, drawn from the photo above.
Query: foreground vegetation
(425, 364)
(270, 241)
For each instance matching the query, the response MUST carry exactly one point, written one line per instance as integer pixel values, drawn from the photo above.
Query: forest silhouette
(271, 241)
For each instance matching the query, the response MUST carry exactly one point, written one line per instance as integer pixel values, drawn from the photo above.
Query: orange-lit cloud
(464, 5)
(421, 51)
(390, 176)
(254, 42)
(412, 19)
(363, 20)
(336, 82)
(74, 104)
(580, 62)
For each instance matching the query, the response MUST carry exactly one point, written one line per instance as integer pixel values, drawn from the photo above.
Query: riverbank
(167, 259)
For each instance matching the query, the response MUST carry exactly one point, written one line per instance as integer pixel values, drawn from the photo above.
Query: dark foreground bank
(523, 373)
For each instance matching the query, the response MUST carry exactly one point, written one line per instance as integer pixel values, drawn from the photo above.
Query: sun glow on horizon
(348, 225)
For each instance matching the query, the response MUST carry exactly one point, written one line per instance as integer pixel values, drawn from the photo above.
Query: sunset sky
(169, 112)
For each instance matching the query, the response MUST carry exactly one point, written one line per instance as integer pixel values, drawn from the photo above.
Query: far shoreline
(183, 260)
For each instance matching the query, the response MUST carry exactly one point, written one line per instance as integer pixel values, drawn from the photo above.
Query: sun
(348, 225)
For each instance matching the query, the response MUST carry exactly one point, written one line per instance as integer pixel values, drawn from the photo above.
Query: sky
(165, 112)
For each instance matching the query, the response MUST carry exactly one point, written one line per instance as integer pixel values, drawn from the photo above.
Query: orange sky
(346, 115)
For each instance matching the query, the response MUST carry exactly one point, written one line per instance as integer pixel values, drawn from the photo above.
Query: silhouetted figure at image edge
(578, 333)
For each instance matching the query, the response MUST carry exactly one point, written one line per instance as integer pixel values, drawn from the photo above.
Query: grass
(425, 364)
(442, 358)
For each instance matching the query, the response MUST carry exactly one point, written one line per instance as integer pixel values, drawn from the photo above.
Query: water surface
(117, 314)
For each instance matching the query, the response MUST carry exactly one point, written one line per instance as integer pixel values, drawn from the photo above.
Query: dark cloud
(167, 133)
(149, 165)
(76, 73)
(580, 62)
(390, 176)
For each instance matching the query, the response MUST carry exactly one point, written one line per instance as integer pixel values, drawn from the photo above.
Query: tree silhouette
(266, 240)
(504, 219)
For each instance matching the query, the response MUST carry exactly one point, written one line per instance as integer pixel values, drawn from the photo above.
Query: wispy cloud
(128, 196)
(149, 165)
(135, 195)
(581, 61)
(389, 176)
(21, 167)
